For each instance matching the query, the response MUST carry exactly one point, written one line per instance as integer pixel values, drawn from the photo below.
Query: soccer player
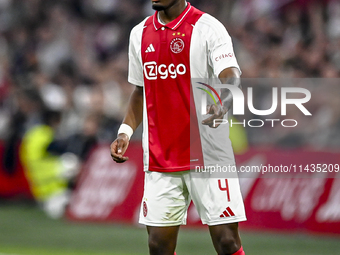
(166, 52)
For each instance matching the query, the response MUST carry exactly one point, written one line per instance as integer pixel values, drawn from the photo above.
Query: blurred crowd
(291, 40)
(69, 58)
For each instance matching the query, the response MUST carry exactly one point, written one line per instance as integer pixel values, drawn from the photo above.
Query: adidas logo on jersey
(150, 49)
(227, 213)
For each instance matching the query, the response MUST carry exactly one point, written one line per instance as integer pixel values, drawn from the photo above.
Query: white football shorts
(167, 197)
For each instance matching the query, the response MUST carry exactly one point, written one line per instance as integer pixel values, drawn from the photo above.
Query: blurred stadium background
(63, 92)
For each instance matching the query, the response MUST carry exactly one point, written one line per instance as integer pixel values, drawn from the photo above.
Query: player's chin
(157, 6)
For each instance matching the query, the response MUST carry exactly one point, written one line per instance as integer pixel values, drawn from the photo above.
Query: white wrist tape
(126, 129)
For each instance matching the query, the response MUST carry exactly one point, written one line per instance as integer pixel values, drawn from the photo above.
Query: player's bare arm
(227, 76)
(133, 118)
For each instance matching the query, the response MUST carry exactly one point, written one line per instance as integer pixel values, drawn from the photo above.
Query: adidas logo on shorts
(227, 213)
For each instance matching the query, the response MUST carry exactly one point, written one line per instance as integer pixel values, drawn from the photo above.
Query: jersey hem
(184, 168)
(163, 170)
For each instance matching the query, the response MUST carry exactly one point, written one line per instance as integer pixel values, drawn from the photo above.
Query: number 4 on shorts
(225, 187)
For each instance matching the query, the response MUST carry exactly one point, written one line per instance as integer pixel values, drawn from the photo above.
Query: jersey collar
(173, 24)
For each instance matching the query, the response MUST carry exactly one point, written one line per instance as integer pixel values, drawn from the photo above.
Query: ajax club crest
(177, 45)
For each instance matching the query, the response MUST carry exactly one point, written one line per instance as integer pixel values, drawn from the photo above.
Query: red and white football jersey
(164, 59)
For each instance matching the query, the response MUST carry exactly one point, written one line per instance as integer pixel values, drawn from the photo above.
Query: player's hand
(118, 148)
(218, 112)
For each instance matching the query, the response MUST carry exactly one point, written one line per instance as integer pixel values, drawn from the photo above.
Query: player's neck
(172, 12)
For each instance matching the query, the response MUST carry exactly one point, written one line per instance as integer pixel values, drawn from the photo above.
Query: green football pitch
(24, 230)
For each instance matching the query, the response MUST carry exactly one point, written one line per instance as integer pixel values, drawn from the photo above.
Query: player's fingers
(223, 110)
(214, 124)
(209, 120)
(122, 145)
(220, 115)
(211, 109)
(121, 160)
(114, 152)
(113, 149)
(214, 121)
(217, 115)
(119, 146)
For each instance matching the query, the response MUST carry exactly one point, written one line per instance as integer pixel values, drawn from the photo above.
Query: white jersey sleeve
(220, 46)
(135, 75)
